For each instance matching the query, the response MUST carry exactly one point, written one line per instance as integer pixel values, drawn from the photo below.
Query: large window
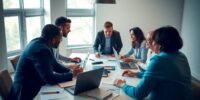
(81, 12)
(23, 22)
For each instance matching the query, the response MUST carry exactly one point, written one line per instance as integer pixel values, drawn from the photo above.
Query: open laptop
(86, 81)
(124, 65)
(84, 62)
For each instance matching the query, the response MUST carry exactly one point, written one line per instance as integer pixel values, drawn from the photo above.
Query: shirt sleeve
(119, 43)
(96, 43)
(146, 85)
(60, 68)
(151, 78)
(44, 65)
(63, 58)
(129, 53)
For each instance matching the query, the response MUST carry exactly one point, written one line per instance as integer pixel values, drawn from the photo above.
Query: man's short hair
(60, 21)
(108, 24)
(50, 31)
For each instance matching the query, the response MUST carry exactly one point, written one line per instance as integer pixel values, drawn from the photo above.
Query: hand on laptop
(119, 83)
(73, 66)
(129, 73)
(76, 59)
(128, 60)
(122, 56)
(77, 71)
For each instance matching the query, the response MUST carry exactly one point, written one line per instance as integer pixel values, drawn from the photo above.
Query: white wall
(147, 14)
(191, 35)
(55, 9)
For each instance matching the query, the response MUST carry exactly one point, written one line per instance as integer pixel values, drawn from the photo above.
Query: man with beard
(37, 66)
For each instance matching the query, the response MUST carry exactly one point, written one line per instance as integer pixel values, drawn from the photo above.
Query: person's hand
(77, 71)
(73, 66)
(129, 73)
(128, 60)
(119, 83)
(76, 59)
(140, 63)
(97, 55)
(112, 55)
(122, 57)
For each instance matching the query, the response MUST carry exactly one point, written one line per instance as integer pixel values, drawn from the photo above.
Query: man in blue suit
(37, 66)
(106, 39)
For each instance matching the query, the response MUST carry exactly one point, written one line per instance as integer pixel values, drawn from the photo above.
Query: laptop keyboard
(125, 65)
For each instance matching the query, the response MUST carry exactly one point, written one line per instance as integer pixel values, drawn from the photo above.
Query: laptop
(86, 81)
(84, 62)
(124, 65)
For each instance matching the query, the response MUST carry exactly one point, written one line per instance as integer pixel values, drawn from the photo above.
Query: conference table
(106, 82)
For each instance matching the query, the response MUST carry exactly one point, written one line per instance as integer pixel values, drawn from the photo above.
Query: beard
(55, 46)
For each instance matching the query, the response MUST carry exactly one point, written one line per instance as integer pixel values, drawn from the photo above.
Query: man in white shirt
(64, 24)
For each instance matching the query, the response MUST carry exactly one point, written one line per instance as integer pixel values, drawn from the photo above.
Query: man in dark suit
(106, 39)
(37, 66)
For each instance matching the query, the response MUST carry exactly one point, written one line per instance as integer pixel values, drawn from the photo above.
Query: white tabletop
(107, 61)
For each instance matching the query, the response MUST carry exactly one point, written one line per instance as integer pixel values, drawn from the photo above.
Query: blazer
(37, 66)
(116, 42)
(167, 77)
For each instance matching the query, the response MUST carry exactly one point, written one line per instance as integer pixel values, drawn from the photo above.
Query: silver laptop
(86, 81)
(122, 64)
(84, 62)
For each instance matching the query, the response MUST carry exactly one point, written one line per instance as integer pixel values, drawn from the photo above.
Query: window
(23, 22)
(33, 27)
(12, 33)
(81, 12)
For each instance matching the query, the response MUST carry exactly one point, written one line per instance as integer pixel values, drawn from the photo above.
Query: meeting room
(99, 50)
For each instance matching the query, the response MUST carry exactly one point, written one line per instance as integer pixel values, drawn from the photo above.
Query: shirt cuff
(140, 74)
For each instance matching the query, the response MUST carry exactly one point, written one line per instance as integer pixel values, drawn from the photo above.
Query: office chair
(14, 61)
(195, 89)
(6, 83)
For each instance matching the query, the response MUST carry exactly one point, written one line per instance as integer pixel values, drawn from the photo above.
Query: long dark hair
(139, 36)
(168, 38)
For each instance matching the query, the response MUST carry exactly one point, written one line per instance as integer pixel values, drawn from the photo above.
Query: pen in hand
(50, 92)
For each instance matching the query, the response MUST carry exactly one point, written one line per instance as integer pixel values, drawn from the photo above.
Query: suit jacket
(37, 66)
(115, 41)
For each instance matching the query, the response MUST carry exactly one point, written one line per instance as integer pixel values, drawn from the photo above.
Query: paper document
(68, 84)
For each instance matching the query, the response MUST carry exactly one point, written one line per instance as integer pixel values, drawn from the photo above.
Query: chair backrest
(196, 89)
(5, 83)
(14, 61)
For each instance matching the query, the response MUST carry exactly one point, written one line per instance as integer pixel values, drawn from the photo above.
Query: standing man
(37, 66)
(64, 24)
(106, 39)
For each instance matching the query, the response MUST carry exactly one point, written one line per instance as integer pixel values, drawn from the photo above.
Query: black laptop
(124, 65)
(86, 81)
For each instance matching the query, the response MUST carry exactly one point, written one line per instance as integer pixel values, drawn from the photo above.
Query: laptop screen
(116, 56)
(85, 61)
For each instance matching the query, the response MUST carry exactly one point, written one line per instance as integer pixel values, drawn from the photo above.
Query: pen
(91, 59)
(111, 60)
(51, 92)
